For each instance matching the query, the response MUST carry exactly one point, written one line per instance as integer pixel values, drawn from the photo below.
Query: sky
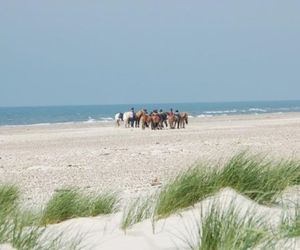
(71, 52)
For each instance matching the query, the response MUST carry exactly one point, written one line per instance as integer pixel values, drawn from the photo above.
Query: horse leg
(128, 123)
(171, 124)
(161, 125)
(135, 123)
(143, 124)
(138, 122)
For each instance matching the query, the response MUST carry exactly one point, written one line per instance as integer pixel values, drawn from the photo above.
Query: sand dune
(171, 233)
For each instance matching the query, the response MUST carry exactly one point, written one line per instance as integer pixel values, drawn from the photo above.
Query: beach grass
(70, 203)
(9, 195)
(252, 175)
(13, 223)
(290, 225)
(227, 230)
(15, 231)
(186, 189)
(258, 178)
(136, 211)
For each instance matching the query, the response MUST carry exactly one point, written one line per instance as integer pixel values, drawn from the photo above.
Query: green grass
(22, 229)
(253, 176)
(290, 225)
(69, 203)
(137, 211)
(258, 178)
(15, 231)
(14, 224)
(186, 189)
(9, 195)
(226, 230)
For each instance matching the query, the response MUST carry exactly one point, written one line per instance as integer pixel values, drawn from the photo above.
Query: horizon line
(146, 103)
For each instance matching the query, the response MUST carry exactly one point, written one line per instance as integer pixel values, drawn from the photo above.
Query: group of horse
(154, 120)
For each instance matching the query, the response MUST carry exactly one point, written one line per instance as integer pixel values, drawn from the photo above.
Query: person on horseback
(132, 117)
(171, 113)
(161, 112)
(154, 112)
(177, 118)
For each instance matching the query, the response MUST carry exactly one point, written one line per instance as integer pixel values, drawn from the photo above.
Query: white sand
(104, 232)
(99, 156)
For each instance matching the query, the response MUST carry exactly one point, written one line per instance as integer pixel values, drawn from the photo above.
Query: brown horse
(145, 120)
(172, 121)
(179, 121)
(183, 119)
(155, 121)
(138, 116)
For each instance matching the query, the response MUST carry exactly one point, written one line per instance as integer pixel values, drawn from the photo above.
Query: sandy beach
(98, 156)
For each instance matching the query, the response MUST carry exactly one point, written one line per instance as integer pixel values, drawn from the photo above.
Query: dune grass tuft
(257, 177)
(253, 176)
(15, 230)
(290, 225)
(186, 189)
(137, 211)
(69, 203)
(219, 229)
(14, 224)
(9, 195)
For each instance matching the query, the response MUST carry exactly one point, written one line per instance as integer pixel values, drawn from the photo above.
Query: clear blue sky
(55, 52)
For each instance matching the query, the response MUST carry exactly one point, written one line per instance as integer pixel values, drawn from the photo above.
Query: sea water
(105, 113)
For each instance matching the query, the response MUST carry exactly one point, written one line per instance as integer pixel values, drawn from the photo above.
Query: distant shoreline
(111, 122)
(105, 113)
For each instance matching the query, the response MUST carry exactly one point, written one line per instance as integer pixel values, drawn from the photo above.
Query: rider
(154, 112)
(132, 117)
(177, 114)
(171, 112)
(161, 112)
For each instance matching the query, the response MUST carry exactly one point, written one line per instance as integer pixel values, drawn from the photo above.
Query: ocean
(105, 113)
